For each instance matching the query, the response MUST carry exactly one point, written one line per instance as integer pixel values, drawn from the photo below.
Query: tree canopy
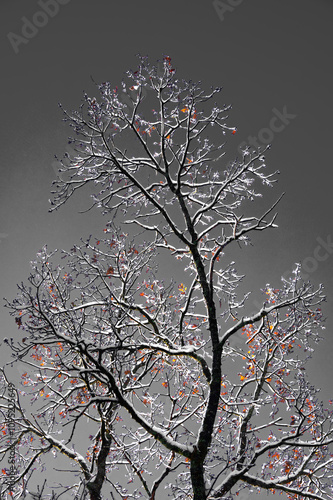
(132, 378)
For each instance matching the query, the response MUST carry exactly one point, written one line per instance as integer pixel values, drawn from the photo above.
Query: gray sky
(272, 58)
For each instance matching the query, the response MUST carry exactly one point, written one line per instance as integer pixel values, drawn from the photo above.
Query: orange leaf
(109, 271)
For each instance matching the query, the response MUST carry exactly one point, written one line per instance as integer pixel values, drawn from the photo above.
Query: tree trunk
(95, 487)
(94, 493)
(198, 481)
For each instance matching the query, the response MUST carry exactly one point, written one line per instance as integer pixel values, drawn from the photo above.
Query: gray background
(265, 53)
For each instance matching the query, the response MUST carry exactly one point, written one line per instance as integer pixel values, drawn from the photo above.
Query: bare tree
(144, 360)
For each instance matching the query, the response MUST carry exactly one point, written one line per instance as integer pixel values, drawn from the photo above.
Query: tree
(149, 360)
